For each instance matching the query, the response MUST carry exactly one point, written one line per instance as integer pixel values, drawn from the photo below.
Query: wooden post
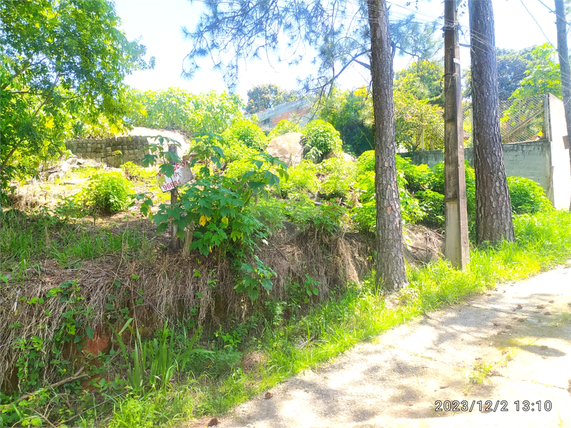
(456, 214)
(176, 243)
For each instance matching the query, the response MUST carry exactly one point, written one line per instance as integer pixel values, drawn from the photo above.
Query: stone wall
(114, 151)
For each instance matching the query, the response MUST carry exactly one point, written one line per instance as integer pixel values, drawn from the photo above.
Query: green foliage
(417, 176)
(527, 197)
(432, 204)
(197, 114)
(283, 127)
(247, 133)
(424, 80)
(320, 139)
(262, 97)
(42, 356)
(366, 162)
(324, 217)
(215, 206)
(301, 178)
(106, 193)
(349, 113)
(338, 178)
(62, 65)
(542, 75)
(418, 124)
(134, 172)
(254, 277)
(436, 184)
(365, 215)
(47, 234)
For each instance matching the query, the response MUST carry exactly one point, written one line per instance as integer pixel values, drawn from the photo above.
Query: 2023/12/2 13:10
(492, 405)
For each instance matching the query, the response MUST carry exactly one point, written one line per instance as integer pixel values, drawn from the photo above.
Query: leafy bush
(237, 150)
(418, 124)
(350, 113)
(302, 179)
(366, 162)
(134, 172)
(432, 204)
(320, 139)
(416, 176)
(436, 184)
(365, 215)
(527, 197)
(283, 127)
(175, 108)
(338, 178)
(246, 132)
(328, 217)
(106, 193)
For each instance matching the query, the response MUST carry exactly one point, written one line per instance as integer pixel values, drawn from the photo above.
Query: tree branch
(76, 376)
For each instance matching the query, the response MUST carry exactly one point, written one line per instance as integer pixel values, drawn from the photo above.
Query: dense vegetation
(95, 268)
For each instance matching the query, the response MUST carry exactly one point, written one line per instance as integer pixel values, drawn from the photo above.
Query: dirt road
(511, 346)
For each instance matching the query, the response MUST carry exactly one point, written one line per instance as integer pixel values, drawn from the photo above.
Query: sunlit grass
(544, 240)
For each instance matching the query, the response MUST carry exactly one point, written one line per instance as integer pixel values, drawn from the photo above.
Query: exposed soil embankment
(166, 286)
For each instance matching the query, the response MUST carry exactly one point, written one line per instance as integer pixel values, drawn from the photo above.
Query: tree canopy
(62, 67)
(337, 30)
(176, 108)
(262, 97)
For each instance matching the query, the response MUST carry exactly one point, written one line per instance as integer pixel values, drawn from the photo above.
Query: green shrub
(366, 162)
(436, 184)
(338, 178)
(432, 204)
(134, 172)
(320, 139)
(237, 150)
(416, 176)
(247, 133)
(106, 193)
(328, 217)
(365, 215)
(283, 127)
(527, 197)
(302, 179)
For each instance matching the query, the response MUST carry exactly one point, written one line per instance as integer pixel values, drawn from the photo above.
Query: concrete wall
(560, 192)
(544, 161)
(113, 151)
(530, 159)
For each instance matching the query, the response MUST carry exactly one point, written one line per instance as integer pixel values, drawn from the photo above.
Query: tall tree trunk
(563, 53)
(390, 254)
(493, 208)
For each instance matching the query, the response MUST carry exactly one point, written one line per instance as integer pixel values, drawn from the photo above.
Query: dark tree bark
(493, 208)
(391, 271)
(565, 70)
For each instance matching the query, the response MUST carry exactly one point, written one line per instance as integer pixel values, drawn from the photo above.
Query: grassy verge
(543, 241)
(26, 240)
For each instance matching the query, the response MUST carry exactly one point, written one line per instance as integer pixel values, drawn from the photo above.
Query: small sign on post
(182, 174)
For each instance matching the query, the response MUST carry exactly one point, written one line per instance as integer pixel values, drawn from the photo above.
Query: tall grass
(26, 239)
(359, 313)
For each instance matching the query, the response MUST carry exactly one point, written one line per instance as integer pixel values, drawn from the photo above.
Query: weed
(480, 372)
(106, 193)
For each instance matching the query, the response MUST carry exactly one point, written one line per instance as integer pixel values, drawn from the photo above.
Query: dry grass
(166, 286)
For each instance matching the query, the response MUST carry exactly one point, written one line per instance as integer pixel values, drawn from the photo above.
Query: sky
(158, 24)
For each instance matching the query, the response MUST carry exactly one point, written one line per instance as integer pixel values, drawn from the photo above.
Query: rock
(287, 147)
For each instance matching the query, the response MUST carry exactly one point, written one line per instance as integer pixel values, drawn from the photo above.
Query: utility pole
(456, 213)
(563, 52)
